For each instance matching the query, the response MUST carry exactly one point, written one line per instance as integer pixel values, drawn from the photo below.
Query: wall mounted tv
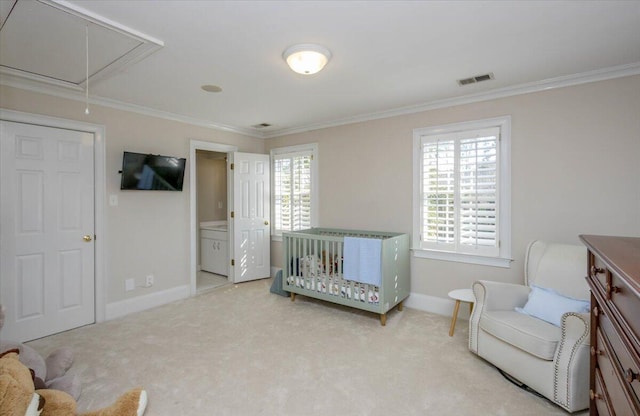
(152, 172)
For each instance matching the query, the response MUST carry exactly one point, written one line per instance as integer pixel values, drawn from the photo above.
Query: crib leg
(293, 296)
(400, 306)
(383, 319)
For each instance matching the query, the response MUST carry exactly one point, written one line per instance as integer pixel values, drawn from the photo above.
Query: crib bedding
(314, 267)
(334, 285)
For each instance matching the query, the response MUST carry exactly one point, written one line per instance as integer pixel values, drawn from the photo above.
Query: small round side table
(460, 295)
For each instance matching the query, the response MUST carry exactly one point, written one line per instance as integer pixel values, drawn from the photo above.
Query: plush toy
(51, 372)
(18, 396)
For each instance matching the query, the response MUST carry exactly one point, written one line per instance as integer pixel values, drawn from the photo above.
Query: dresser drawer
(600, 398)
(628, 306)
(598, 270)
(610, 353)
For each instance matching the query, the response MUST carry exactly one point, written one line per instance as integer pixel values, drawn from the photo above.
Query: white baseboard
(433, 304)
(141, 303)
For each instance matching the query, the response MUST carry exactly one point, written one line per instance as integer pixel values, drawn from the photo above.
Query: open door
(249, 213)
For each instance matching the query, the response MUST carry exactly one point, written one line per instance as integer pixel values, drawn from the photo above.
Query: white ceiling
(389, 57)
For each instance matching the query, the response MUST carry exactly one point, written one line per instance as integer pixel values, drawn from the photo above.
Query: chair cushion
(530, 334)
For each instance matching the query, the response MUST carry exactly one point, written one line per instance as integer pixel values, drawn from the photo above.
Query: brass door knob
(87, 238)
(266, 223)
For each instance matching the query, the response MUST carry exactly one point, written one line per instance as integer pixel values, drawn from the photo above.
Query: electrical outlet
(149, 281)
(129, 285)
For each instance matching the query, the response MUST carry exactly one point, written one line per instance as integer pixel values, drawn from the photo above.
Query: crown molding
(531, 87)
(62, 92)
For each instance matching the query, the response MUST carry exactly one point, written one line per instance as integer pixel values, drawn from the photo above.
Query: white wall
(211, 180)
(575, 155)
(575, 170)
(148, 232)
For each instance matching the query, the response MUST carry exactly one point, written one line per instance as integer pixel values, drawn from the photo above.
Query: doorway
(211, 211)
(77, 256)
(205, 152)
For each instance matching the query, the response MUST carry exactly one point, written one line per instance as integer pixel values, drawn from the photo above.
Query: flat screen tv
(152, 172)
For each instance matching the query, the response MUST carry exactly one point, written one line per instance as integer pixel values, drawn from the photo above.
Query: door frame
(193, 202)
(99, 190)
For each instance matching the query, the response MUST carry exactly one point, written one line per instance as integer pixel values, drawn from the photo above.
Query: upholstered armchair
(551, 359)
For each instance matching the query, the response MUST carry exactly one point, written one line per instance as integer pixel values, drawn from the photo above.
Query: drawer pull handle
(611, 290)
(594, 395)
(595, 352)
(596, 270)
(630, 375)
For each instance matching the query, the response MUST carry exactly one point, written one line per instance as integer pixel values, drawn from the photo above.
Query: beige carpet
(239, 350)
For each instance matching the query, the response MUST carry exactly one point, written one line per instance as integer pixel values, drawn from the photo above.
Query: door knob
(87, 238)
(266, 223)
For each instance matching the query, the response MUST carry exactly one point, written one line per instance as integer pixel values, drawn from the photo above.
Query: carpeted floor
(240, 350)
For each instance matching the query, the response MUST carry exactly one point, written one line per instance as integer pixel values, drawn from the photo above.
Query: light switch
(113, 200)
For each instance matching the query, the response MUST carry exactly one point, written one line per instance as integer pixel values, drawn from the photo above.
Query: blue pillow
(549, 305)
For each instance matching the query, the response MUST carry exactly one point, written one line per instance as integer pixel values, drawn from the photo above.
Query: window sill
(462, 258)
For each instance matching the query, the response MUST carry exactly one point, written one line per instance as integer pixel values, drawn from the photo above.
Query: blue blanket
(362, 260)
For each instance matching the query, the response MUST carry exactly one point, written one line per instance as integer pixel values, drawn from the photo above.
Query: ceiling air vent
(261, 125)
(477, 78)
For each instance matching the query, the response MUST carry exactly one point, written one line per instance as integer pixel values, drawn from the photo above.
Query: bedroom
(365, 177)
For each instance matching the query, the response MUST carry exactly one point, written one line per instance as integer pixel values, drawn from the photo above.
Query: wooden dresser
(614, 279)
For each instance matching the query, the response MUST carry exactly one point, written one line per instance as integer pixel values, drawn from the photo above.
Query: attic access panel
(44, 40)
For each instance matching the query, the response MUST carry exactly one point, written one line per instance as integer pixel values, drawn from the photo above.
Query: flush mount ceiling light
(306, 58)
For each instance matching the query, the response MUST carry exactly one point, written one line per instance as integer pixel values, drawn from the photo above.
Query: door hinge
(232, 214)
(311, 157)
(233, 262)
(232, 166)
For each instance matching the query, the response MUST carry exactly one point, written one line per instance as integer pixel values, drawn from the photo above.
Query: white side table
(460, 295)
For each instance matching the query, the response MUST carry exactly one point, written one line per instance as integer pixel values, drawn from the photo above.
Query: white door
(46, 230)
(249, 222)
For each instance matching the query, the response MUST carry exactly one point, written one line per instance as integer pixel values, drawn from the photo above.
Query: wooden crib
(313, 266)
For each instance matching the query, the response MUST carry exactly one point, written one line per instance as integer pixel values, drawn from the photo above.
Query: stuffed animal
(51, 372)
(18, 396)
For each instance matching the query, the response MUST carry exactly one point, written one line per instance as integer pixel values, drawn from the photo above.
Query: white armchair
(554, 361)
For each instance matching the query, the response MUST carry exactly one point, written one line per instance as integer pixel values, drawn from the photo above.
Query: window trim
(503, 259)
(276, 235)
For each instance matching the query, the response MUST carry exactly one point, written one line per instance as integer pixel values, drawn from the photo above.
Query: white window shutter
(460, 173)
(292, 191)
(478, 193)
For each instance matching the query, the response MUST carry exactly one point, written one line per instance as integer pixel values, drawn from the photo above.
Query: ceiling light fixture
(306, 58)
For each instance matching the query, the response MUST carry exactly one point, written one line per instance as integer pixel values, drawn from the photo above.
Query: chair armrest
(575, 328)
(571, 372)
(492, 296)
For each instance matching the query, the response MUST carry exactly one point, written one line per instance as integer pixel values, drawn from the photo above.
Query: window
(294, 187)
(462, 192)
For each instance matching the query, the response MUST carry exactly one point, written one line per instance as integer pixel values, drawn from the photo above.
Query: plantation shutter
(438, 225)
(460, 191)
(292, 191)
(478, 188)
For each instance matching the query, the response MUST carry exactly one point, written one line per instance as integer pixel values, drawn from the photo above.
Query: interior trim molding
(531, 87)
(147, 45)
(536, 86)
(193, 203)
(144, 302)
(433, 304)
(100, 186)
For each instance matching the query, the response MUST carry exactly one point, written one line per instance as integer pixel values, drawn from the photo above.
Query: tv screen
(152, 172)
